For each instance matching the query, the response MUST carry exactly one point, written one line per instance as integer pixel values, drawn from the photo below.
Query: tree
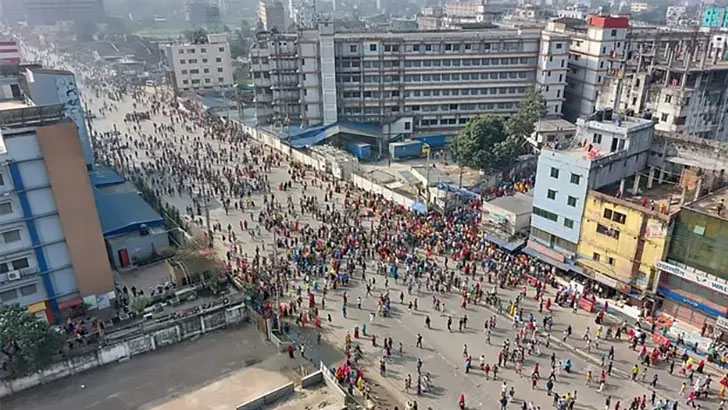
(196, 36)
(29, 344)
(484, 143)
(530, 110)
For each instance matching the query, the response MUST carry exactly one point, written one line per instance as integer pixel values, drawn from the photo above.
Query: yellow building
(621, 242)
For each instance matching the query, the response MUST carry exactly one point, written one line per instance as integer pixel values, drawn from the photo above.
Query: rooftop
(712, 204)
(554, 125)
(661, 199)
(519, 204)
(617, 124)
(11, 104)
(125, 212)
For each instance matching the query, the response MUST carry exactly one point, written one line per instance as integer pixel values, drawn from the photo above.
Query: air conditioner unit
(13, 275)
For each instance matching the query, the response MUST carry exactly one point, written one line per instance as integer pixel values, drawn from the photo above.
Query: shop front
(696, 300)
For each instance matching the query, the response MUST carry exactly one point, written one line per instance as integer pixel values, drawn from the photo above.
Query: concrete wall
(64, 160)
(370, 186)
(123, 350)
(139, 247)
(267, 399)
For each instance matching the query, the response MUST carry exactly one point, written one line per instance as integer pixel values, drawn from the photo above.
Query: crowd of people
(323, 245)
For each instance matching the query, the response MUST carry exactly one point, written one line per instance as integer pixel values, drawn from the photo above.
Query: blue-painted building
(714, 17)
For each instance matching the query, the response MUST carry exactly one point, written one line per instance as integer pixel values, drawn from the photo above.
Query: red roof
(609, 22)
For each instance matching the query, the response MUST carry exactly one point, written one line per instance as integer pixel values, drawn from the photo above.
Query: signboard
(722, 321)
(707, 281)
(708, 310)
(546, 251)
(655, 230)
(586, 305)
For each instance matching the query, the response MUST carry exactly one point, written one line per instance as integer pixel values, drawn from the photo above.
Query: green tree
(485, 144)
(29, 344)
(530, 110)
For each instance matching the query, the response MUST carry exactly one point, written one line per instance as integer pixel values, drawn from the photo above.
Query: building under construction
(678, 78)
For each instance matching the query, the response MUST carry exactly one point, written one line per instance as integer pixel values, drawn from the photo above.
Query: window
(597, 138)
(575, 179)
(185, 72)
(610, 260)
(571, 201)
(8, 295)
(207, 80)
(6, 208)
(219, 59)
(607, 231)
(221, 49)
(596, 256)
(220, 80)
(204, 61)
(11, 236)
(614, 33)
(193, 61)
(2, 179)
(619, 217)
(181, 61)
(206, 70)
(185, 82)
(568, 223)
(28, 290)
(558, 46)
(607, 214)
(551, 194)
(554, 173)
(21, 263)
(192, 50)
(668, 98)
(372, 47)
(545, 214)
(195, 71)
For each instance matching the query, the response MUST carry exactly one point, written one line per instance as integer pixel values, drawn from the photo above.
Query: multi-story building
(676, 16)
(678, 77)
(414, 81)
(639, 7)
(693, 283)
(52, 253)
(593, 43)
(198, 66)
(623, 238)
(272, 15)
(603, 152)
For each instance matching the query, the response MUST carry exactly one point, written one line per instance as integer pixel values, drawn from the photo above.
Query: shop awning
(510, 246)
(551, 261)
(37, 307)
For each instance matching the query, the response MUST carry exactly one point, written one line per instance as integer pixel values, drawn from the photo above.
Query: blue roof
(104, 176)
(125, 212)
(303, 138)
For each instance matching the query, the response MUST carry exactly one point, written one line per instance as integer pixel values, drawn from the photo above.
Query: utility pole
(206, 198)
(427, 173)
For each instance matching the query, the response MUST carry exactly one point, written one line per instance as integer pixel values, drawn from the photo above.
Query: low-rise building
(551, 133)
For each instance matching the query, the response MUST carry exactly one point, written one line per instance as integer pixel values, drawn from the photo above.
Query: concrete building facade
(53, 253)
(272, 15)
(603, 152)
(198, 67)
(417, 81)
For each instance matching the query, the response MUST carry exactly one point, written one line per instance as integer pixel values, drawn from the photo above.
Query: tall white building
(199, 66)
(594, 45)
(414, 81)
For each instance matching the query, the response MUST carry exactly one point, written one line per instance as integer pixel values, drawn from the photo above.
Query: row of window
(434, 108)
(465, 62)
(569, 223)
(194, 61)
(437, 47)
(204, 70)
(435, 93)
(207, 81)
(15, 264)
(416, 78)
(12, 294)
(575, 178)
(202, 50)
(570, 200)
